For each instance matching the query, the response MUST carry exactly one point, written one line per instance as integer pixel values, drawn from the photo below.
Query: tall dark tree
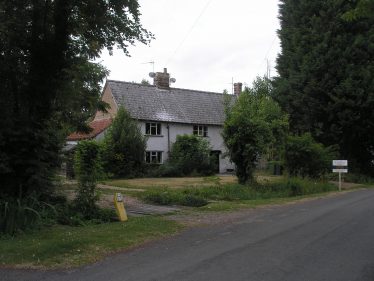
(48, 78)
(124, 147)
(326, 76)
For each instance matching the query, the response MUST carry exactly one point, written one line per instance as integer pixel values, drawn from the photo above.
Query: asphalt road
(324, 239)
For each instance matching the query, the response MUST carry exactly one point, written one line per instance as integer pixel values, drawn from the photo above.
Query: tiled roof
(146, 102)
(97, 126)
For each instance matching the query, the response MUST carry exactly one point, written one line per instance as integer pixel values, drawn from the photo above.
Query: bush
(306, 158)
(190, 155)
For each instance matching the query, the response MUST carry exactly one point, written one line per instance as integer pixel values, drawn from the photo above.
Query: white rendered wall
(160, 143)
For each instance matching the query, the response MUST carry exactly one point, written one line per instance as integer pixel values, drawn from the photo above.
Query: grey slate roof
(175, 105)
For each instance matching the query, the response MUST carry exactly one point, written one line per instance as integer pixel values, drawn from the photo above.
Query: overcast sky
(204, 44)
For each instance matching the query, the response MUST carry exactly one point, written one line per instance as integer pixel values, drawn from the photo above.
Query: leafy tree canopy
(50, 81)
(254, 124)
(325, 78)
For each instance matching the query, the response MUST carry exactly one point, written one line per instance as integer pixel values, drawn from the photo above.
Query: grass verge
(198, 197)
(65, 246)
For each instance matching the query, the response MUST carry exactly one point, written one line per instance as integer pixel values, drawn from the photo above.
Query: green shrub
(306, 158)
(190, 155)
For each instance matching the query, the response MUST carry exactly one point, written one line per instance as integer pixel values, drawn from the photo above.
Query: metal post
(340, 181)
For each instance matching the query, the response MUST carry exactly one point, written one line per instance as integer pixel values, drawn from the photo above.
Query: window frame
(152, 155)
(153, 128)
(200, 130)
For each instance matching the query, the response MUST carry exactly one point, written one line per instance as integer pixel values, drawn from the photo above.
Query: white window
(200, 130)
(153, 129)
(153, 157)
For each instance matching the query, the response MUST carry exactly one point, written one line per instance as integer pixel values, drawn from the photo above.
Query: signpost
(340, 166)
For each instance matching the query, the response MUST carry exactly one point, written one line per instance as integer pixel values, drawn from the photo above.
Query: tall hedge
(88, 169)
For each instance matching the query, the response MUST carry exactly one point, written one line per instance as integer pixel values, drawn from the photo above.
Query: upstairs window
(153, 129)
(153, 157)
(200, 130)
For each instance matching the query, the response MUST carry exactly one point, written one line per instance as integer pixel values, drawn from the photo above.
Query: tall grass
(17, 215)
(231, 192)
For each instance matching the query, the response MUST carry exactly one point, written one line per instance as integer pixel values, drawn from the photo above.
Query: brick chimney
(162, 80)
(237, 88)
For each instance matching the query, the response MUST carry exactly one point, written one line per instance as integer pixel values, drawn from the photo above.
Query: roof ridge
(132, 83)
(171, 88)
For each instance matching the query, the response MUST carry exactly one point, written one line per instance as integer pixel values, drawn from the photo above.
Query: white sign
(340, 170)
(340, 162)
(340, 166)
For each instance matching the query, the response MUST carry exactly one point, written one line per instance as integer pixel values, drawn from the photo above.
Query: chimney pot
(237, 88)
(162, 80)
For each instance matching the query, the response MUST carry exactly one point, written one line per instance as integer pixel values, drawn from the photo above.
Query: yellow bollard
(120, 207)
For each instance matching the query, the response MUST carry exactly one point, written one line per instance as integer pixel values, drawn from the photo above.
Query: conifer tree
(124, 146)
(326, 76)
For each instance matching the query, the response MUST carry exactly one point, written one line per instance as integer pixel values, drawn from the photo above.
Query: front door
(215, 158)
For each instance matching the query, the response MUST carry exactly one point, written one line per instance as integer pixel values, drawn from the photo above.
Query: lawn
(65, 246)
(149, 183)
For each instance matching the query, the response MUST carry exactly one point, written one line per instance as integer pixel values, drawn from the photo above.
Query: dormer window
(200, 130)
(153, 129)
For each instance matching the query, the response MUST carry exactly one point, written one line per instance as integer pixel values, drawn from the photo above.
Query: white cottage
(164, 112)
